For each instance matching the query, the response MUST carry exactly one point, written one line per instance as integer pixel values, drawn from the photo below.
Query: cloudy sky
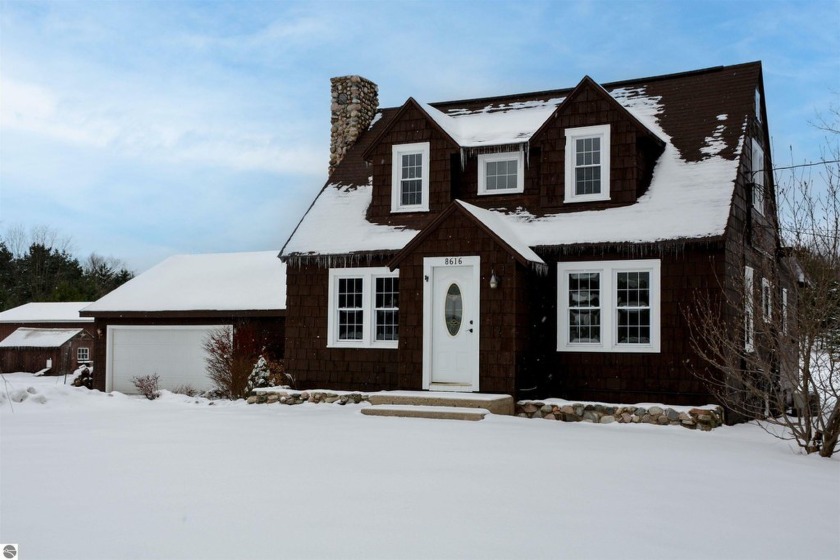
(146, 129)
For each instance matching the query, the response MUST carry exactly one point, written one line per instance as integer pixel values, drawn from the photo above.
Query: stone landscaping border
(702, 418)
(292, 397)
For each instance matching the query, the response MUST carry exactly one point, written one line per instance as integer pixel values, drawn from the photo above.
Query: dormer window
(410, 178)
(501, 173)
(758, 176)
(588, 163)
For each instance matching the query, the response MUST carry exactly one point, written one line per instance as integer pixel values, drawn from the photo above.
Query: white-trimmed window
(364, 310)
(83, 354)
(609, 306)
(758, 176)
(766, 300)
(501, 173)
(758, 105)
(588, 163)
(784, 311)
(410, 177)
(749, 314)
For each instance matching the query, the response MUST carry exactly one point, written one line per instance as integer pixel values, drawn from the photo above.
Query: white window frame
(757, 105)
(397, 151)
(766, 300)
(368, 276)
(79, 357)
(749, 311)
(574, 134)
(784, 311)
(609, 316)
(758, 176)
(484, 159)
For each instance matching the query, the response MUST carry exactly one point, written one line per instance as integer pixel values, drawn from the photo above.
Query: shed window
(83, 355)
(501, 173)
(364, 309)
(609, 306)
(410, 177)
(588, 163)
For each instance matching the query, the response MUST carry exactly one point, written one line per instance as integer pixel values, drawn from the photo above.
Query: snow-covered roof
(336, 224)
(209, 282)
(28, 337)
(689, 195)
(495, 222)
(492, 125)
(46, 312)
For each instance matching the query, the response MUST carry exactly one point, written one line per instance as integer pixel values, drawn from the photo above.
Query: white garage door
(175, 353)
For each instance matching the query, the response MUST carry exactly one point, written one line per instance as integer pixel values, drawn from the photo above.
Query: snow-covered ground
(90, 475)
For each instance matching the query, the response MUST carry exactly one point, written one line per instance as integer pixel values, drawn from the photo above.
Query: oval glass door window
(453, 309)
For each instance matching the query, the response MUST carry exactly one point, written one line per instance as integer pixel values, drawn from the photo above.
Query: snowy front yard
(89, 475)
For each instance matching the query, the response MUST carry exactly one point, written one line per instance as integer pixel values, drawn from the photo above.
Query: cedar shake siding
(647, 377)
(680, 192)
(310, 361)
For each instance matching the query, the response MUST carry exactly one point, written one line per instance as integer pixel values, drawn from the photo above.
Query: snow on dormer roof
(689, 196)
(494, 125)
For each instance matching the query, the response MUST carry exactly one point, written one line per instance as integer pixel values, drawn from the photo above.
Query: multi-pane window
(500, 173)
(584, 307)
(609, 306)
(350, 309)
(364, 308)
(633, 307)
(587, 163)
(758, 175)
(411, 183)
(749, 319)
(766, 300)
(410, 177)
(83, 355)
(387, 308)
(784, 310)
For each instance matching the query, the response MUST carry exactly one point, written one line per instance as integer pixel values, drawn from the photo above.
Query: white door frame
(429, 266)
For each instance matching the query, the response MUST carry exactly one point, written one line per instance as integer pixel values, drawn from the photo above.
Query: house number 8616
(453, 260)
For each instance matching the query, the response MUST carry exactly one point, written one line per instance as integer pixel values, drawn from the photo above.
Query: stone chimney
(354, 104)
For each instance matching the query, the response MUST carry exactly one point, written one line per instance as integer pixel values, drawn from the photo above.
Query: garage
(175, 353)
(157, 322)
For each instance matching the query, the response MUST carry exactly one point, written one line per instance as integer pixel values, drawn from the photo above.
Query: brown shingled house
(532, 244)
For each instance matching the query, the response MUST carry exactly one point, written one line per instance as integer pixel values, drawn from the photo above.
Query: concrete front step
(420, 411)
(494, 403)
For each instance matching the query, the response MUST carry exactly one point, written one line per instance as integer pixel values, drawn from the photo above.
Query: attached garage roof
(225, 282)
(27, 337)
(46, 312)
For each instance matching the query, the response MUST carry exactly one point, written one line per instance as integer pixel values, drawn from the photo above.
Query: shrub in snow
(188, 390)
(260, 375)
(228, 370)
(147, 385)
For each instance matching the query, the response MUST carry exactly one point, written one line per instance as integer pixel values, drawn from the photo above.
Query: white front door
(450, 323)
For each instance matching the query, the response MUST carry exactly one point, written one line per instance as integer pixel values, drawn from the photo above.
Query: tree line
(37, 265)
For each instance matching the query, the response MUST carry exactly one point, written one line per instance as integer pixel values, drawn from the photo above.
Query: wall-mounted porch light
(494, 280)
